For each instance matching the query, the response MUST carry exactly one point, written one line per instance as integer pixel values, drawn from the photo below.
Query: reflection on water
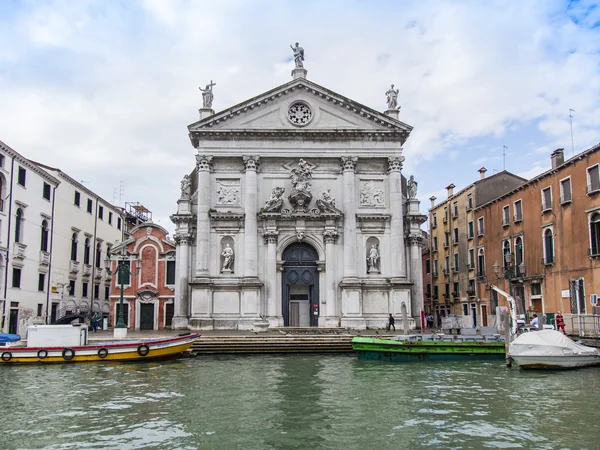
(285, 402)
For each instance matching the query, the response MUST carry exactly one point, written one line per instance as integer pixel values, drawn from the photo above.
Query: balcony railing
(518, 218)
(546, 207)
(74, 266)
(505, 222)
(445, 220)
(446, 271)
(44, 258)
(98, 273)
(87, 270)
(471, 292)
(548, 261)
(566, 199)
(594, 252)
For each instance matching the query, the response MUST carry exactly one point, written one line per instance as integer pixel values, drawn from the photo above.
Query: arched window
(595, 233)
(506, 256)
(19, 226)
(98, 254)
(86, 251)
(44, 238)
(519, 254)
(74, 247)
(480, 263)
(548, 246)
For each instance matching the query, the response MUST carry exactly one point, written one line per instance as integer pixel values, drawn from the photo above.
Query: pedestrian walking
(391, 322)
(560, 322)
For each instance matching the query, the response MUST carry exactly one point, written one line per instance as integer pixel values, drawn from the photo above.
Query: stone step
(272, 344)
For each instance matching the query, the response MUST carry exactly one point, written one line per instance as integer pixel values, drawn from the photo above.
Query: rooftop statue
(298, 56)
(207, 95)
(392, 98)
(412, 187)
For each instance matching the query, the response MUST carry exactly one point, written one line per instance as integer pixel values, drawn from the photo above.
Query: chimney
(432, 198)
(557, 157)
(450, 189)
(482, 172)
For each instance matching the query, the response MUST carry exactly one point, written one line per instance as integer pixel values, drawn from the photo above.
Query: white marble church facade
(297, 215)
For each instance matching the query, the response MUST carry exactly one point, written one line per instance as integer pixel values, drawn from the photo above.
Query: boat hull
(142, 350)
(388, 350)
(556, 362)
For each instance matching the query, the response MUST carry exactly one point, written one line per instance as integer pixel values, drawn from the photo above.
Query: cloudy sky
(105, 89)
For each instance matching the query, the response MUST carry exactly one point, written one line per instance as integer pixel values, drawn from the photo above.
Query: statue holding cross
(207, 95)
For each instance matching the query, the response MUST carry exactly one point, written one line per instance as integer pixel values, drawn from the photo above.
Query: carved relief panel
(372, 194)
(228, 192)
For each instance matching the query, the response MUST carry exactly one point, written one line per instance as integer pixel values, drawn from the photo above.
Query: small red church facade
(149, 291)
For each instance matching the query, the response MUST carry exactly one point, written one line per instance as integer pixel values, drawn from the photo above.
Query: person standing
(535, 321)
(391, 323)
(560, 322)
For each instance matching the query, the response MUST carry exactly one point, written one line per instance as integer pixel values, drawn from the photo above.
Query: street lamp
(123, 269)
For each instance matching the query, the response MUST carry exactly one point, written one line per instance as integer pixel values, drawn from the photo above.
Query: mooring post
(507, 338)
(404, 319)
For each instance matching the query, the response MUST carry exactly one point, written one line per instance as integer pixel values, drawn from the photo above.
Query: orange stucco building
(149, 290)
(542, 239)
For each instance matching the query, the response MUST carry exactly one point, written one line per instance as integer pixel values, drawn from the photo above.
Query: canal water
(297, 402)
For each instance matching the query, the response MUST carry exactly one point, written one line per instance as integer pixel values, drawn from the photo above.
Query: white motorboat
(549, 349)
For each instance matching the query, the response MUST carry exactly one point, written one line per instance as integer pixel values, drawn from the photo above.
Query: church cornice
(397, 128)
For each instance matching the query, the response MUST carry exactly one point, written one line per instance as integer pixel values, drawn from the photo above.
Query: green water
(303, 402)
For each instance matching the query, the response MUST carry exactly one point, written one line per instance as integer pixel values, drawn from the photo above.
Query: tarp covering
(9, 337)
(548, 343)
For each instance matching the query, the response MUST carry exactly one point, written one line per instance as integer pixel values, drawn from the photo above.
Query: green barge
(429, 347)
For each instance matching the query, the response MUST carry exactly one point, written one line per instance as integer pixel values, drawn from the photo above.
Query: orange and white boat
(68, 343)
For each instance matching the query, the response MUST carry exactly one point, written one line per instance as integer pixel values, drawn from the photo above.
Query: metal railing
(583, 325)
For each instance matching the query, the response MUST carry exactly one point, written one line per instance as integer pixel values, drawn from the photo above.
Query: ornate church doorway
(300, 283)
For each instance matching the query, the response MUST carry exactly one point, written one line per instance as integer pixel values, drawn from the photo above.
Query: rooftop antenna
(115, 193)
(83, 181)
(121, 191)
(571, 111)
(504, 148)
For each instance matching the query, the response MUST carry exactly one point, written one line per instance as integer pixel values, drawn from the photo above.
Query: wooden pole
(507, 338)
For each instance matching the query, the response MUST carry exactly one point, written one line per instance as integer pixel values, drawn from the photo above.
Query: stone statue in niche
(298, 56)
(373, 260)
(326, 203)
(392, 98)
(228, 256)
(412, 187)
(275, 202)
(207, 95)
(371, 195)
(301, 194)
(186, 186)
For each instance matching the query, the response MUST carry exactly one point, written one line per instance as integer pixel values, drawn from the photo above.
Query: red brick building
(149, 291)
(544, 239)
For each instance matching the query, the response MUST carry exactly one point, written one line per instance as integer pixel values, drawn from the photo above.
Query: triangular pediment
(301, 106)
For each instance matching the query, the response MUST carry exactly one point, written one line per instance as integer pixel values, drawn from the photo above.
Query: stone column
(180, 319)
(250, 223)
(270, 237)
(331, 320)
(416, 264)
(203, 167)
(348, 168)
(397, 221)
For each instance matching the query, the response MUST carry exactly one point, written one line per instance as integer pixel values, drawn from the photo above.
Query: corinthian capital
(349, 163)
(270, 236)
(330, 236)
(395, 163)
(203, 163)
(251, 162)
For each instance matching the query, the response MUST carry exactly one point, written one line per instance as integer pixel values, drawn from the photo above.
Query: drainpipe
(50, 263)
(6, 303)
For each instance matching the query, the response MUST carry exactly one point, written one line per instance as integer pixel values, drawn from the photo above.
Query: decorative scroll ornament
(186, 187)
(251, 163)
(349, 163)
(275, 202)
(330, 236)
(301, 195)
(204, 163)
(395, 163)
(326, 203)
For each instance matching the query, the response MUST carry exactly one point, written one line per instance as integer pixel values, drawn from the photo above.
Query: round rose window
(299, 114)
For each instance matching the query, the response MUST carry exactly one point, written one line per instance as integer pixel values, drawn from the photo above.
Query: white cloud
(105, 90)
